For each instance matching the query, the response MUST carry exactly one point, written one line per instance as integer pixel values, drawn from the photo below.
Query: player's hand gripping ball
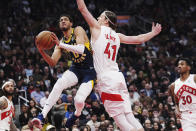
(44, 40)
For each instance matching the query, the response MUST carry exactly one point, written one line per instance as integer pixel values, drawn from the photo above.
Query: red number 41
(107, 51)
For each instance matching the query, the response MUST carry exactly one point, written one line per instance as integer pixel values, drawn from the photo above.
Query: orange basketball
(44, 40)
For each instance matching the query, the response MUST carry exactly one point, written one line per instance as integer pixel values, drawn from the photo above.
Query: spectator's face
(1, 73)
(156, 126)
(64, 23)
(46, 94)
(145, 112)
(32, 104)
(69, 98)
(59, 101)
(102, 117)
(30, 124)
(147, 124)
(166, 107)
(110, 128)
(160, 106)
(24, 109)
(94, 118)
(147, 86)
(37, 89)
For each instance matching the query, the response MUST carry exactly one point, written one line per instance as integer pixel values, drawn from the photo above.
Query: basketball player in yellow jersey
(81, 70)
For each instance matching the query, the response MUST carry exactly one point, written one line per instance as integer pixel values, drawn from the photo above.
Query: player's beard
(64, 29)
(8, 93)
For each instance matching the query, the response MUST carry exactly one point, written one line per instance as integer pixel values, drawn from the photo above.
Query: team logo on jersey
(185, 88)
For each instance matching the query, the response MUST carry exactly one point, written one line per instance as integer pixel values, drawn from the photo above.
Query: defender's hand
(156, 29)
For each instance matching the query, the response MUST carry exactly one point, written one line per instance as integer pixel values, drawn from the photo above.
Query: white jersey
(6, 116)
(186, 93)
(105, 50)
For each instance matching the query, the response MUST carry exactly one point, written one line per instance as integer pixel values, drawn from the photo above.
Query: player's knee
(60, 84)
(79, 101)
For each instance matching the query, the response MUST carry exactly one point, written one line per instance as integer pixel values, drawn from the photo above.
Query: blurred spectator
(30, 126)
(148, 91)
(156, 126)
(58, 112)
(37, 95)
(148, 125)
(134, 96)
(33, 109)
(24, 116)
(43, 100)
(93, 122)
(50, 128)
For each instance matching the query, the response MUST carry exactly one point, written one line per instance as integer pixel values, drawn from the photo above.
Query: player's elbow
(52, 63)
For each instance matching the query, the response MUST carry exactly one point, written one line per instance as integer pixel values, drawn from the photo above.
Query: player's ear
(106, 21)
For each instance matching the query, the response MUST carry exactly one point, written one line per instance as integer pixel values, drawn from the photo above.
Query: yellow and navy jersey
(84, 60)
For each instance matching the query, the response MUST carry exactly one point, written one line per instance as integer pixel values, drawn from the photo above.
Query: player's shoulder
(171, 86)
(194, 75)
(78, 28)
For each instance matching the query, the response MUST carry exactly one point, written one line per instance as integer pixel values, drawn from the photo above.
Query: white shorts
(188, 121)
(114, 83)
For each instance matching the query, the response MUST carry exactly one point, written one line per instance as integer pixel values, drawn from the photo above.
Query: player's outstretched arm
(95, 28)
(3, 103)
(92, 22)
(156, 29)
(195, 78)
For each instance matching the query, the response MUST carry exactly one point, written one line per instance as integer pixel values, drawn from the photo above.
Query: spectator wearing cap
(37, 94)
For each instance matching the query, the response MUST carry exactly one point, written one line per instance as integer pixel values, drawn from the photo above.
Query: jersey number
(186, 99)
(107, 51)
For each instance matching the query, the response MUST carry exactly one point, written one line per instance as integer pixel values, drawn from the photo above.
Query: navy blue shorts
(84, 75)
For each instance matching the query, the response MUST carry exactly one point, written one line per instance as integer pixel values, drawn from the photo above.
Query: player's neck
(184, 76)
(67, 33)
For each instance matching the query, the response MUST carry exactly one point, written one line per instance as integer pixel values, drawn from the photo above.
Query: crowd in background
(148, 68)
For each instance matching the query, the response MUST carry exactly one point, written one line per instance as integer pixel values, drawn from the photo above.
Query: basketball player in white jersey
(7, 107)
(183, 91)
(105, 43)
